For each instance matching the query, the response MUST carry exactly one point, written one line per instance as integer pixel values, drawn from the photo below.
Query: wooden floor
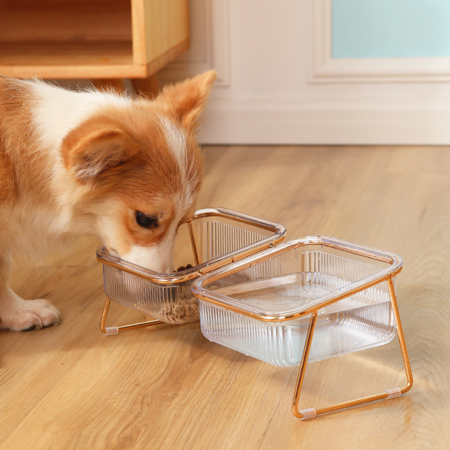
(70, 387)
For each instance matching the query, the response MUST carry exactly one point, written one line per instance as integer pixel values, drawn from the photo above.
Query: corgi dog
(125, 169)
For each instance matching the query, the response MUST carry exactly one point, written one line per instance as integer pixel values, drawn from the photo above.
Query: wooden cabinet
(96, 39)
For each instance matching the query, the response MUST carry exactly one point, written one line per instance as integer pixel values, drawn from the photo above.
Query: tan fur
(185, 105)
(18, 146)
(116, 162)
(98, 144)
(8, 188)
(138, 163)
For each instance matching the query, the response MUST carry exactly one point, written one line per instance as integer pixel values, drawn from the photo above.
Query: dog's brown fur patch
(21, 162)
(8, 189)
(184, 102)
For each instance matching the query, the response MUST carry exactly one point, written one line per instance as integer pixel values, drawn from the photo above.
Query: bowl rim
(105, 257)
(203, 293)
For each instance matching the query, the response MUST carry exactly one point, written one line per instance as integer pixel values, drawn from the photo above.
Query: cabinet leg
(147, 87)
(114, 84)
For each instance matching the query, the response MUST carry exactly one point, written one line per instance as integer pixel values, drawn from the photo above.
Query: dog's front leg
(22, 315)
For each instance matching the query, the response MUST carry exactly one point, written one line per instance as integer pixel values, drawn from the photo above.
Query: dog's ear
(184, 102)
(96, 146)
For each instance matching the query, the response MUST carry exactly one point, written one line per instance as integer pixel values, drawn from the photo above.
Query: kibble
(181, 312)
(185, 309)
(181, 268)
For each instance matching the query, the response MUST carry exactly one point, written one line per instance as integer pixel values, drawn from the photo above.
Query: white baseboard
(295, 123)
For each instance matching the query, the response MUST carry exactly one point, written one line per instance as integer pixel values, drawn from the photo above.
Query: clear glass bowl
(214, 238)
(261, 306)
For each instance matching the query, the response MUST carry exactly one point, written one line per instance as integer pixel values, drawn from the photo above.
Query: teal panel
(390, 28)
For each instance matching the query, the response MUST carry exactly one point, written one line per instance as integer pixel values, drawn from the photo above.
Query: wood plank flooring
(70, 387)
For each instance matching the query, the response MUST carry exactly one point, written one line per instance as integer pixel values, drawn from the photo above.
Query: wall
(279, 84)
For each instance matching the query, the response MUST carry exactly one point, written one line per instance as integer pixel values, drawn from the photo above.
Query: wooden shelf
(91, 39)
(79, 60)
(69, 59)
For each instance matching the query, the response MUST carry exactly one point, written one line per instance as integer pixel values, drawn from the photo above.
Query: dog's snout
(155, 258)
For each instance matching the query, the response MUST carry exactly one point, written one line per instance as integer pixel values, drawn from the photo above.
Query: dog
(126, 169)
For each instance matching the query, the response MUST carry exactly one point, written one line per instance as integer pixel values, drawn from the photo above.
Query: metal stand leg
(390, 393)
(301, 373)
(109, 331)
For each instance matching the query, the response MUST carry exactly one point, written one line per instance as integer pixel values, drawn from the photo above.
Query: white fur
(36, 229)
(59, 111)
(56, 112)
(176, 140)
(158, 258)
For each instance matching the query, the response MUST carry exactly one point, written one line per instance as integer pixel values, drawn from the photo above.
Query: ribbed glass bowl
(215, 237)
(240, 307)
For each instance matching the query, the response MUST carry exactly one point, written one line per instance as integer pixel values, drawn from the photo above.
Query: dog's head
(138, 165)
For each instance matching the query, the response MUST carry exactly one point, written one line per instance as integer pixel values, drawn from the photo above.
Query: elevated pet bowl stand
(385, 275)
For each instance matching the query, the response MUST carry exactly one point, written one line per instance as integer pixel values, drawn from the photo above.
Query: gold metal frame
(104, 257)
(384, 275)
(387, 394)
(110, 331)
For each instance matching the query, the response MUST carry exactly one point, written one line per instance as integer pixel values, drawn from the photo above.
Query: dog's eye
(145, 221)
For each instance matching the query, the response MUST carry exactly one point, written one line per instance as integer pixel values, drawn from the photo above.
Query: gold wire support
(389, 393)
(303, 363)
(401, 337)
(193, 242)
(109, 331)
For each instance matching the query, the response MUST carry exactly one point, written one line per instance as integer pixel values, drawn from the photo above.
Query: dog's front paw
(26, 315)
